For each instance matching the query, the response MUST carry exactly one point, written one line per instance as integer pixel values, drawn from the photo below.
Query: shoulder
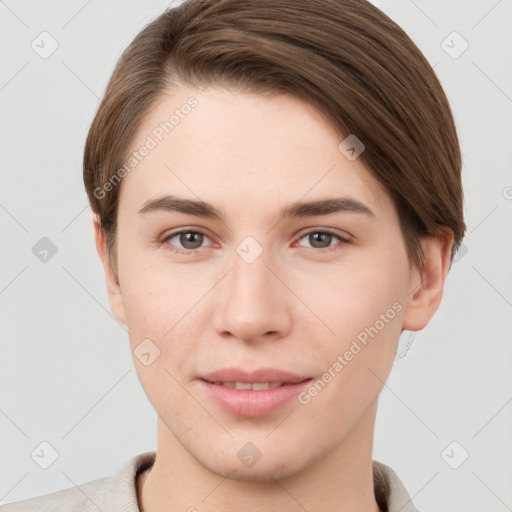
(115, 493)
(88, 497)
(390, 492)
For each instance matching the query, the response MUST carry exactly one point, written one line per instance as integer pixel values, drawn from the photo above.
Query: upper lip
(259, 375)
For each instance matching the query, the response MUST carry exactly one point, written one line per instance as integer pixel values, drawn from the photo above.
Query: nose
(252, 303)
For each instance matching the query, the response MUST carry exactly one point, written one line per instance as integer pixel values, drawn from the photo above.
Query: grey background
(67, 377)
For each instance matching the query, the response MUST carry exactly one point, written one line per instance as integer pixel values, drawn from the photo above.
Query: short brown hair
(345, 57)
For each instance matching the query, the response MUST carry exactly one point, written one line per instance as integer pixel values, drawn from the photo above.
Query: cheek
(162, 331)
(350, 297)
(360, 306)
(157, 297)
(366, 317)
(164, 313)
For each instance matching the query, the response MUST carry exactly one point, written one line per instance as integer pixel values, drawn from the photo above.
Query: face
(255, 278)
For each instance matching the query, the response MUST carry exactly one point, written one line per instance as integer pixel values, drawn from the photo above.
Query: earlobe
(428, 283)
(112, 281)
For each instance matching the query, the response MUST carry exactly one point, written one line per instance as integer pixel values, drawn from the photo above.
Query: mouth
(254, 386)
(252, 399)
(233, 377)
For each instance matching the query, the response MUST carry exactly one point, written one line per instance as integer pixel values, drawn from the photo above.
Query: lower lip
(253, 403)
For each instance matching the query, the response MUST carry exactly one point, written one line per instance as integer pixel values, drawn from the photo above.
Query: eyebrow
(170, 203)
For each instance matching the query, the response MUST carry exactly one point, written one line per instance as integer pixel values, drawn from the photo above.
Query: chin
(264, 473)
(274, 466)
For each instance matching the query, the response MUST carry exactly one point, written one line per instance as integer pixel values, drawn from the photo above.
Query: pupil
(320, 237)
(191, 238)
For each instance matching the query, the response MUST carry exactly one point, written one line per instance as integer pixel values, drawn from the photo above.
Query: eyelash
(167, 246)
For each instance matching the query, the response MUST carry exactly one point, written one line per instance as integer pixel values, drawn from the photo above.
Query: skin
(296, 307)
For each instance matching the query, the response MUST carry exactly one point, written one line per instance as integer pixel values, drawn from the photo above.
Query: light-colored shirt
(119, 492)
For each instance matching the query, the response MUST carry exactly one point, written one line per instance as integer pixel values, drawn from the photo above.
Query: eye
(187, 241)
(322, 239)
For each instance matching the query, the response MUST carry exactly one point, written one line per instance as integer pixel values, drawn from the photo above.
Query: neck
(341, 480)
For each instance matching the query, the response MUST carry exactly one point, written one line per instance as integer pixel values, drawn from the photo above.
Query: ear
(428, 282)
(115, 296)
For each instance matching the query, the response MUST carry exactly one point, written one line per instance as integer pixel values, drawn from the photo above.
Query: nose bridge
(251, 303)
(250, 276)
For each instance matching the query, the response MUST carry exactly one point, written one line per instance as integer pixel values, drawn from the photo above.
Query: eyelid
(341, 234)
(165, 240)
(344, 239)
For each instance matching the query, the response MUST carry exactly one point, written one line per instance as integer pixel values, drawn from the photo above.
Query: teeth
(253, 386)
(265, 385)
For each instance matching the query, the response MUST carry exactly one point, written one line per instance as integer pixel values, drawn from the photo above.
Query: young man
(277, 195)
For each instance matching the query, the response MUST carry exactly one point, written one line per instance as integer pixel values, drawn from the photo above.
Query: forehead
(224, 145)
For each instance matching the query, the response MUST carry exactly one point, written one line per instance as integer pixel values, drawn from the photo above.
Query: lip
(252, 403)
(259, 375)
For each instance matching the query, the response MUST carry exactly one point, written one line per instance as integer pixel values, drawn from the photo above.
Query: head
(243, 112)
